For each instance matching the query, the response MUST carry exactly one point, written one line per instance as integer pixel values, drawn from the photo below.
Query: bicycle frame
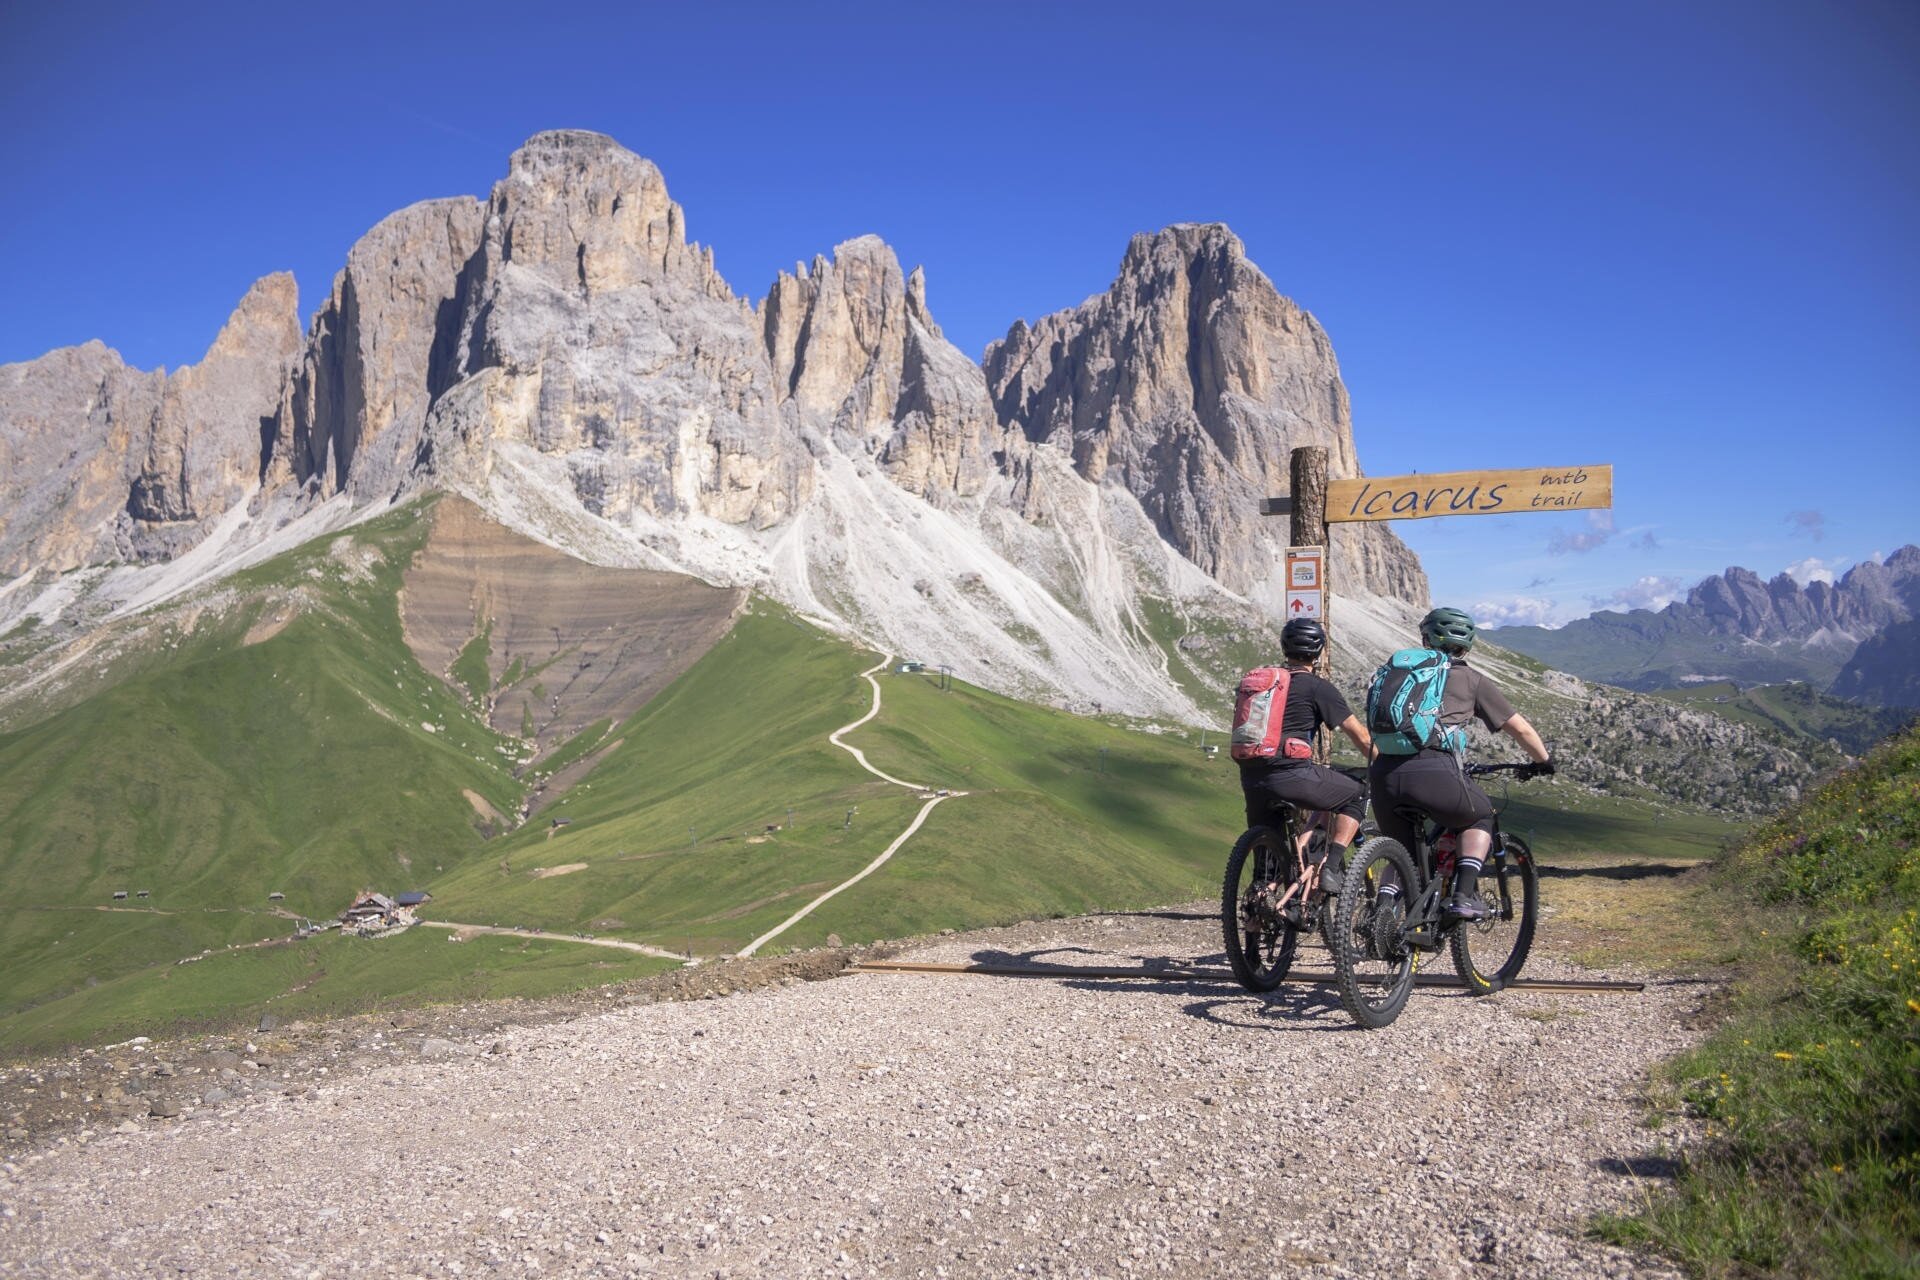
(1427, 923)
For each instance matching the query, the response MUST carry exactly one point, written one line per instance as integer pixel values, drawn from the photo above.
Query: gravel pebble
(905, 1124)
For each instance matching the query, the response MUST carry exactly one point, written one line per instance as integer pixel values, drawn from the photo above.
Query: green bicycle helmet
(1449, 630)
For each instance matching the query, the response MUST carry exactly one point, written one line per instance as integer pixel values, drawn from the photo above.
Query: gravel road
(907, 1125)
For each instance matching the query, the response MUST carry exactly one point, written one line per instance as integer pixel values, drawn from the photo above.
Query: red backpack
(1259, 710)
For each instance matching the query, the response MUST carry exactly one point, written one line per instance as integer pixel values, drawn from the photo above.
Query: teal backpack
(1403, 704)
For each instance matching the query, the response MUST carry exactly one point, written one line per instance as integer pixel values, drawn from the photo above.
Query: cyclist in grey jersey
(1431, 780)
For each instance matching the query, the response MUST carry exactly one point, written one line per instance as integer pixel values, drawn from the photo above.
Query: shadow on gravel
(1620, 871)
(1640, 1167)
(1289, 1009)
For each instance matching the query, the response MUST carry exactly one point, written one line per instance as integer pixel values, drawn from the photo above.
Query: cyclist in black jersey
(1431, 780)
(1311, 703)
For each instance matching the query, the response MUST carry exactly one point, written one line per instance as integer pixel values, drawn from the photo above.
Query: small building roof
(414, 898)
(371, 902)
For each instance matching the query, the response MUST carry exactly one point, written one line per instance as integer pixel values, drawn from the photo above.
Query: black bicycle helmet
(1303, 639)
(1450, 630)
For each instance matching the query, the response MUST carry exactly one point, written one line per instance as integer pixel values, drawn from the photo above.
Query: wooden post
(1308, 466)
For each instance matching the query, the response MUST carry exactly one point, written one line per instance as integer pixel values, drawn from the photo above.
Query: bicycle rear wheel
(1489, 953)
(1372, 964)
(1260, 943)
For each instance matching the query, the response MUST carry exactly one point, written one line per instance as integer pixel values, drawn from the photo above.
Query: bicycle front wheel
(1489, 953)
(1260, 943)
(1372, 963)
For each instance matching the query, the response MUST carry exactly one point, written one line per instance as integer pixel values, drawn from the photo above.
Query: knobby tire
(1489, 954)
(1260, 956)
(1374, 990)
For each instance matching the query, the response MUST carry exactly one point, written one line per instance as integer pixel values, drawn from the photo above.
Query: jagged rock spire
(1189, 382)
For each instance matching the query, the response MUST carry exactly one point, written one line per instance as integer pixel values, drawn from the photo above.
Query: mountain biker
(1431, 780)
(1311, 703)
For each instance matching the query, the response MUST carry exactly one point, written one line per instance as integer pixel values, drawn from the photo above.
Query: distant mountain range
(1855, 637)
(1885, 669)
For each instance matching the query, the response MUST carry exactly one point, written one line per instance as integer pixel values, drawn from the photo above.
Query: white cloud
(1812, 569)
(1517, 611)
(1599, 529)
(1650, 592)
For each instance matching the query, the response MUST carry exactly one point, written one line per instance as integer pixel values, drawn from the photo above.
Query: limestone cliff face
(381, 347)
(1189, 382)
(560, 350)
(593, 332)
(101, 462)
(858, 355)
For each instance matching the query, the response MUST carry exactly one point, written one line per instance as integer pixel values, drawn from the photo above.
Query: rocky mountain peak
(1867, 597)
(1189, 382)
(1183, 246)
(562, 354)
(267, 317)
(856, 351)
(103, 462)
(584, 212)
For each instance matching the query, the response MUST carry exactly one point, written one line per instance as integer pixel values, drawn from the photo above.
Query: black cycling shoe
(1333, 876)
(1467, 906)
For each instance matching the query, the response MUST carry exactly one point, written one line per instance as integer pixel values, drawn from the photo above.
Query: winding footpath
(891, 849)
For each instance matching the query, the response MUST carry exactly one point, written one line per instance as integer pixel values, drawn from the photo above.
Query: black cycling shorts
(1304, 784)
(1431, 782)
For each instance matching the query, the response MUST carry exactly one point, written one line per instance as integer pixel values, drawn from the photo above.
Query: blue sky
(1675, 237)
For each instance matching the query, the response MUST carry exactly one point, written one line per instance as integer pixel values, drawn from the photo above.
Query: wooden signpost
(1317, 502)
(1470, 493)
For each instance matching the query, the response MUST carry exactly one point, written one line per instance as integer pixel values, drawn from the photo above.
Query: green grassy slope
(1810, 1090)
(300, 764)
(742, 737)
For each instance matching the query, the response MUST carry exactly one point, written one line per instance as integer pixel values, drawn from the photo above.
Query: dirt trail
(905, 1125)
(886, 853)
(615, 943)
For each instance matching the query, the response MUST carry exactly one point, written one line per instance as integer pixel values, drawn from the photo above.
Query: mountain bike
(1377, 946)
(1269, 898)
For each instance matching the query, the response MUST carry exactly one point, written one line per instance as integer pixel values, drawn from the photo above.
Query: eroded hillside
(545, 644)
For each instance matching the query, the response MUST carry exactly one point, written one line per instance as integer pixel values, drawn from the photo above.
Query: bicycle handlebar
(1521, 767)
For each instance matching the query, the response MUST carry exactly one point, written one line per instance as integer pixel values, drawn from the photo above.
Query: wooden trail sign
(1317, 502)
(1470, 493)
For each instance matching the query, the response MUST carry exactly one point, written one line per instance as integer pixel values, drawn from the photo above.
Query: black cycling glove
(1541, 768)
